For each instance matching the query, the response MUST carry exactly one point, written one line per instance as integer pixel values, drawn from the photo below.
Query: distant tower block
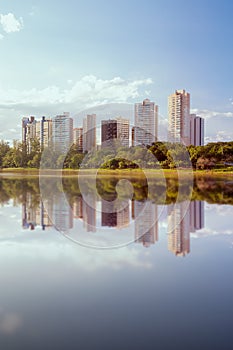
(146, 123)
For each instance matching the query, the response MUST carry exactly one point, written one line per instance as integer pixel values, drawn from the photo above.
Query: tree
(4, 148)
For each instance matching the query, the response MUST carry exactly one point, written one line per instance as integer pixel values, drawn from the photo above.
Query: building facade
(89, 132)
(29, 131)
(146, 123)
(62, 131)
(40, 130)
(179, 117)
(108, 132)
(78, 138)
(196, 130)
(45, 130)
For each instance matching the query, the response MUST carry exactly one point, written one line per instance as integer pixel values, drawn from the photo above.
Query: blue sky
(68, 56)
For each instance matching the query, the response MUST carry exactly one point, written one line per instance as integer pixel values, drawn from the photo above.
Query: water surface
(134, 266)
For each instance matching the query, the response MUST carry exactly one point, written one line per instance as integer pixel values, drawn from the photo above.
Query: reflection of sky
(218, 220)
(55, 291)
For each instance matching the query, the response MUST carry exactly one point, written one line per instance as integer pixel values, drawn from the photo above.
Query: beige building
(179, 117)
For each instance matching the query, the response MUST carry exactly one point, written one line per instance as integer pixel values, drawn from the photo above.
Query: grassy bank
(155, 173)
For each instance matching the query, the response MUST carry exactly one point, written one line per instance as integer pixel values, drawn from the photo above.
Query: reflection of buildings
(34, 213)
(183, 218)
(62, 214)
(29, 212)
(89, 213)
(115, 217)
(145, 214)
(78, 208)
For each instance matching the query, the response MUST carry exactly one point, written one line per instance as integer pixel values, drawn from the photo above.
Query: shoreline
(157, 173)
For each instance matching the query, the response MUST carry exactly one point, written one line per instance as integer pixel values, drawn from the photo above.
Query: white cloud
(75, 97)
(10, 23)
(1, 36)
(87, 92)
(220, 136)
(207, 114)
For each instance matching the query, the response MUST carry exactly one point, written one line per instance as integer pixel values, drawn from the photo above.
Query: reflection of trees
(213, 191)
(17, 189)
(205, 189)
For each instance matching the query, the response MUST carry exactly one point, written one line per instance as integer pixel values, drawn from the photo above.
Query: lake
(111, 263)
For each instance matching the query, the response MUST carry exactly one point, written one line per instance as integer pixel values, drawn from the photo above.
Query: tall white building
(146, 123)
(179, 117)
(62, 131)
(89, 132)
(196, 130)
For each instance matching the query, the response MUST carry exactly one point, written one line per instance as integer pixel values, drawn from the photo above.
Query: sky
(58, 56)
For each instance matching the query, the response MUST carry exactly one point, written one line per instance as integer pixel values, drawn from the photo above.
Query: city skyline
(60, 133)
(112, 64)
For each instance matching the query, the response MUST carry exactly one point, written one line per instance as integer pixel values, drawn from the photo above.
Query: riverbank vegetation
(163, 155)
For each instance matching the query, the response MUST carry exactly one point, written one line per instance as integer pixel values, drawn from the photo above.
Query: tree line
(160, 154)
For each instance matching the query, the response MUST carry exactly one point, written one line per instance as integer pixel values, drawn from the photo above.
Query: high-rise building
(33, 129)
(29, 131)
(89, 132)
(179, 117)
(146, 123)
(78, 138)
(45, 132)
(196, 130)
(115, 129)
(108, 132)
(123, 131)
(62, 132)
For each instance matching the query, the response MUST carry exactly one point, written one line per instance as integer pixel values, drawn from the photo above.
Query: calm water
(111, 264)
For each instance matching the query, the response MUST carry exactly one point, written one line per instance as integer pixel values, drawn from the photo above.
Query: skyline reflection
(107, 219)
(140, 216)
